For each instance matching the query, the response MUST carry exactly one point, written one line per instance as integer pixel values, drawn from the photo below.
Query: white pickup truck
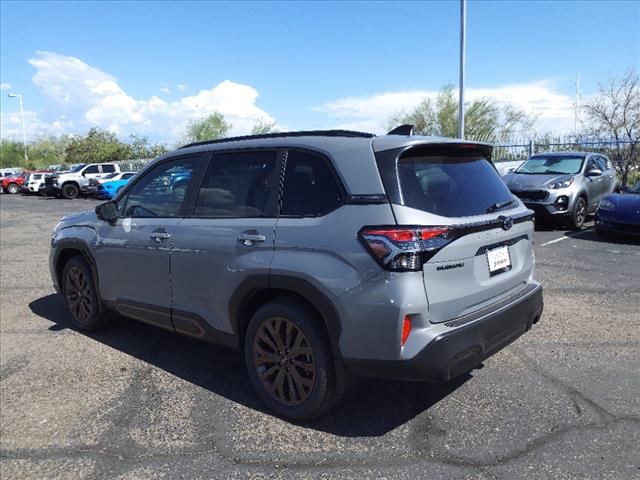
(76, 181)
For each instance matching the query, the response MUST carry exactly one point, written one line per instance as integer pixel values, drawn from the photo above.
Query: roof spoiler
(406, 129)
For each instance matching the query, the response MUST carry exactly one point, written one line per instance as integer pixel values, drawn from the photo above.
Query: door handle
(250, 238)
(160, 236)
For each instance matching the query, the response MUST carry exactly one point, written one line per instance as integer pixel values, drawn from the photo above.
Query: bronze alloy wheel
(284, 361)
(78, 291)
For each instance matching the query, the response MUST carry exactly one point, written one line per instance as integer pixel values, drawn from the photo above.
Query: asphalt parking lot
(134, 402)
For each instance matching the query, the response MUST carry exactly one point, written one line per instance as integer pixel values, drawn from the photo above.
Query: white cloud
(11, 125)
(92, 97)
(553, 110)
(181, 88)
(5, 86)
(164, 88)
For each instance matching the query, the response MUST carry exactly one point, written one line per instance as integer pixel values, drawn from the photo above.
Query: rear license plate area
(499, 260)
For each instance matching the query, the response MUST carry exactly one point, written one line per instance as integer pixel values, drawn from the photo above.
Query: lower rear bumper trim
(461, 349)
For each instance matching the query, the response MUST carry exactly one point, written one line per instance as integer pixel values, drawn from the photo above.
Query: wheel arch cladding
(72, 248)
(255, 291)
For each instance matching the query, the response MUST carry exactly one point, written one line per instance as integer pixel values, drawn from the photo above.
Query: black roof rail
(406, 129)
(310, 133)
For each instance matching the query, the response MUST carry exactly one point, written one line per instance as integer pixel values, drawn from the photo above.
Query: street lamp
(463, 28)
(24, 133)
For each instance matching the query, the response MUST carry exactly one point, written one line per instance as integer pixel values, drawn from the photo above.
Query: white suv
(33, 182)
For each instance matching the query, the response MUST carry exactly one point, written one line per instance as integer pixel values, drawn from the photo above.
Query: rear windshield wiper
(499, 205)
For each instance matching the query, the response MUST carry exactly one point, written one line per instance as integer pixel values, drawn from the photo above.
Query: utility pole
(463, 26)
(24, 133)
(577, 107)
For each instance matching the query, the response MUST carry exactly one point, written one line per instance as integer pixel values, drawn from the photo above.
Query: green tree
(212, 127)
(263, 126)
(97, 146)
(139, 147)
(48, 150)
(484, 118)
(614, 114)
(11, 154)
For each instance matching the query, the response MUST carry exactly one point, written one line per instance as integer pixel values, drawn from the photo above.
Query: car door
(593, 184)
(608, 174)
(132, 253)
(227, 241)
(91, 171)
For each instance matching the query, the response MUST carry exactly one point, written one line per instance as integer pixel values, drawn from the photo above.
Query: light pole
(463, 27)
(24, 132)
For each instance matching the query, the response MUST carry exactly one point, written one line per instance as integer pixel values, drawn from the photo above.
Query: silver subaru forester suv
(321, 255)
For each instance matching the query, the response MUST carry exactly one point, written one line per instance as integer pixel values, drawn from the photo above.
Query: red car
(13, 184)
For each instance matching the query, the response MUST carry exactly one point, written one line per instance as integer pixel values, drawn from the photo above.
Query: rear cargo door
(486, 254)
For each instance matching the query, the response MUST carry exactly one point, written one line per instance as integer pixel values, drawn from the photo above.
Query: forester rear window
(452, 186)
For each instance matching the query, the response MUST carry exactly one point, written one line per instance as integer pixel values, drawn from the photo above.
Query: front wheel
(579, 214)
(70, 191)
(81, 296)
(289, 360)
(13, 188)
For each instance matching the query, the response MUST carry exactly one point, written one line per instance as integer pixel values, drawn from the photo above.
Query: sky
(148, 68)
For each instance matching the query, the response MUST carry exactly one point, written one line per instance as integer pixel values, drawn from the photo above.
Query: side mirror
(594, 172)
(107, 211)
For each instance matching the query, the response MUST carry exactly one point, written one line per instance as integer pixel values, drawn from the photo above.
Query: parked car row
(101, 180)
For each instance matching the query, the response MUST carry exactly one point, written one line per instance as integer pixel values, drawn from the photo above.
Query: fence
(519, 149)
(133, 165)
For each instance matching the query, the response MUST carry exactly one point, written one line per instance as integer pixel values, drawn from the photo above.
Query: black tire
(70, 191)
(13, 188)
(81, 297)
(579, 214)
(307, 380)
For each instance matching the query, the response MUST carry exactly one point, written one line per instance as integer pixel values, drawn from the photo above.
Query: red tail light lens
(403, 249)
(406, 329)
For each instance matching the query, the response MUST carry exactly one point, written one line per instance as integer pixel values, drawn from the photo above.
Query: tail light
(404, 249)
(406, 329)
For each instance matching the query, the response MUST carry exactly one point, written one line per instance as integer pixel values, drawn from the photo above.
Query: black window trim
(190, 212)
(328, 161)
(196, 178)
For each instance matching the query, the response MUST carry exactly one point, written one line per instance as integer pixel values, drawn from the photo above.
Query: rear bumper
(469, 342)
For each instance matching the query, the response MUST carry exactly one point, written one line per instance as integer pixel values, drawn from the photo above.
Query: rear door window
(452, 186)
(108, 168)
(239, 185)
(310, 186)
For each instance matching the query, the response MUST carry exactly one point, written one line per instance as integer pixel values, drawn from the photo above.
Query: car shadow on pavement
(608, 238)
(368, 408)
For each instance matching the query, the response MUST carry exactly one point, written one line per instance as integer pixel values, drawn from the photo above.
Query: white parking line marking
(554, 241)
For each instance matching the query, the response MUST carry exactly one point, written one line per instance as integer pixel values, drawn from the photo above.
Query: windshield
(77, 168)
(453, 186)
(635, 188)
(111, 175)
(556, 164)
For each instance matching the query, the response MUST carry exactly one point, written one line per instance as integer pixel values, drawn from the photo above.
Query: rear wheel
(70, 191)
(579, 214)
(289, 360)
(13, 188)
(81, 296)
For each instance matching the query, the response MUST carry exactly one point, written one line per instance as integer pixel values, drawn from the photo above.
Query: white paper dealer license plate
(498, 259)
